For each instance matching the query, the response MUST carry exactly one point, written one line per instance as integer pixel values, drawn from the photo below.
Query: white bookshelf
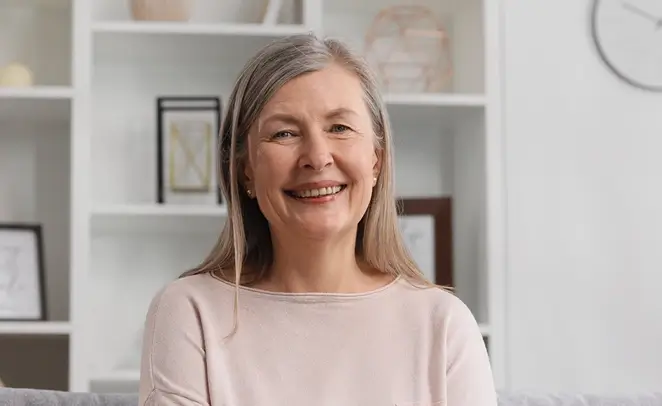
(83, 139)
(35, 179)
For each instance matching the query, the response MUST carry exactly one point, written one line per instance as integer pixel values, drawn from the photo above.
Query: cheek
(360, 160)
(270, 164)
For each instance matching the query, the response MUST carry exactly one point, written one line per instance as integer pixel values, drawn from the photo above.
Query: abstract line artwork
(418, 234)
(190, 166)
(21, 273)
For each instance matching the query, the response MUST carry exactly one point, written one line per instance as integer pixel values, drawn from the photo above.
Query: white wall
(584, 169)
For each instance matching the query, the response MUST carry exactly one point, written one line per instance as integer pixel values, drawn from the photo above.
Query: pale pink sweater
(398, 345)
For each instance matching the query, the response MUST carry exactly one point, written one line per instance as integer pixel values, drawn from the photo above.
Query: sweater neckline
(307, 296)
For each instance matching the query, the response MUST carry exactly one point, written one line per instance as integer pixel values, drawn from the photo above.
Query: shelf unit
(35, 186)
(84, 138)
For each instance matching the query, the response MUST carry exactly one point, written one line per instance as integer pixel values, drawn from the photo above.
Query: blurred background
(527, 143)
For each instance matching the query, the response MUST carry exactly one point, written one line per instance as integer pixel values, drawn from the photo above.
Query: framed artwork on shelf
(187, 141)
(22, 284)
(427, 227)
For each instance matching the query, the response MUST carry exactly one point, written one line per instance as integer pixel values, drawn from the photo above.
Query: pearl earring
(374, 181)
(249, 193)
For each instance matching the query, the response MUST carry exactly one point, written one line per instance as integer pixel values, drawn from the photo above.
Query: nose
(316, 152)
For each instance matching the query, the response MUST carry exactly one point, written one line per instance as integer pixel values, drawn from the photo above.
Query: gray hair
(245, 242)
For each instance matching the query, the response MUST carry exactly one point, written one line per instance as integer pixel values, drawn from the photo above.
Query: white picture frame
(22, 282)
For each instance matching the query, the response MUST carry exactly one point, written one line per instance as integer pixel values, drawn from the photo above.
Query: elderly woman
(310, 297)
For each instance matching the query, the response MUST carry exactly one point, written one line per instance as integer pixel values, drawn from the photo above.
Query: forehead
(318, 92)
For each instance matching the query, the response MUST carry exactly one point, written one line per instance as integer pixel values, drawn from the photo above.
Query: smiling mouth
(316, 193)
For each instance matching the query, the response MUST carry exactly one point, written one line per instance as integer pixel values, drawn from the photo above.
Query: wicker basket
(161, 10)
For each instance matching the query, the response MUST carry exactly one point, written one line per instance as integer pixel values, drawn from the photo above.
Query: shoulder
(197, 288)
(189, 300)
(446, 317)
(441, 307)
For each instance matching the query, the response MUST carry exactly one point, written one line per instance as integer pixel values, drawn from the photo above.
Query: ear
(377, 162)
(248, 171)
(248, 174)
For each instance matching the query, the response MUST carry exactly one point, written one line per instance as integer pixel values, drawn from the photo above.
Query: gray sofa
(33, 397)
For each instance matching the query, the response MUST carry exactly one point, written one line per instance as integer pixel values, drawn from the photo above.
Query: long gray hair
(244, 245)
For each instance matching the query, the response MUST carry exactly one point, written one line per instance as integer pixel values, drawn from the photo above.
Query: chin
(324, 228)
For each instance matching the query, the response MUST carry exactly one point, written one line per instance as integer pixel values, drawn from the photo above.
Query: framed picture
(187, 139)
(427, 227)
(22, 290)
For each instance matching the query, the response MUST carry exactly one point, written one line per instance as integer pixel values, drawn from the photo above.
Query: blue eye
(339, 128)
(282, 134)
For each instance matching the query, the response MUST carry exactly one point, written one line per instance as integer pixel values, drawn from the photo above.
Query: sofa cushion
(34, 397)
(567, 399)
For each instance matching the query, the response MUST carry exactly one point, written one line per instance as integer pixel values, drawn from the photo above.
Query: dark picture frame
(22, 273)
(187, 150)
(439, 212)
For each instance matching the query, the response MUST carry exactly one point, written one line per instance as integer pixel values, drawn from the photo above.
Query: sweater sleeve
(173, 368)
(469, 375)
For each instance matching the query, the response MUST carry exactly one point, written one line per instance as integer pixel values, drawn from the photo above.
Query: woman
(310, 297)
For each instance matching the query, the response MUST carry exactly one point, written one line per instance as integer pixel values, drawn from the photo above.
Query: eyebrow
(339, 112)
(292, 119)
(283, 117)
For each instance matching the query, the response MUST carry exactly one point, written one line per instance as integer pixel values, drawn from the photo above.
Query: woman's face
(312, 158)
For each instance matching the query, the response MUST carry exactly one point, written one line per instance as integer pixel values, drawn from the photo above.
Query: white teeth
(332, 190)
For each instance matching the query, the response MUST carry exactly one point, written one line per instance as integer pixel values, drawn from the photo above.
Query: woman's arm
(173, 368)
(469, 374)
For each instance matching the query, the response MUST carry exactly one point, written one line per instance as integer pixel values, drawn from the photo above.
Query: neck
(317, 266)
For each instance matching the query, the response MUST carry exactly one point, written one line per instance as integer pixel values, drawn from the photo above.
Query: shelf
(37, 93)
(440, 112)
(169, 28)
(162, 218)
(331, 6)
(434, 100)
(446, 110)
(37, 3)
(118, 376)
(43, 102)
(198, 45)
(34, 328)
(155, 210)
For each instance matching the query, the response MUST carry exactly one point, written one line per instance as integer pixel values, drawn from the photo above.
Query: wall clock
(628, 38)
